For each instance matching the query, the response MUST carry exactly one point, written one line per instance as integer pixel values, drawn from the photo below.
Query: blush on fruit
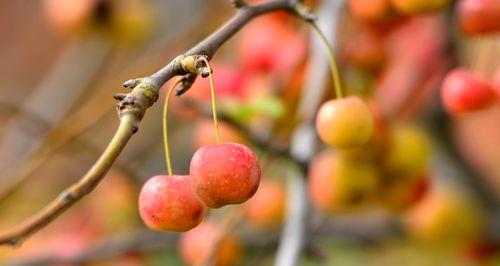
(168, 203)
(345, 123)
(463, 92)
(223, 174)
(266, 208)
(197, 245)
(477, 17)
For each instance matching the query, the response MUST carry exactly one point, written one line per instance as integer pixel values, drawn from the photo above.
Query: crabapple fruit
(463, 92)
(168, 203)
(345, 122)
(476, 17)
(227, 173)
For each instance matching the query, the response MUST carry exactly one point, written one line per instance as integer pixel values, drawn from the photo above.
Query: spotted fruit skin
(463, 92)
(345, 123)
(224, 174)
(168, 203)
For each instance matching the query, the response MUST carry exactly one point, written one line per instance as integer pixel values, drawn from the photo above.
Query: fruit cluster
(219, 175)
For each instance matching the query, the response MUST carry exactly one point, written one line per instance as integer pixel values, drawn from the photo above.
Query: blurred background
(424, 191)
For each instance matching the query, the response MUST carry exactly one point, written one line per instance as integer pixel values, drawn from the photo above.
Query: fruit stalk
(331, 59)
(165, 126)
(214, 105)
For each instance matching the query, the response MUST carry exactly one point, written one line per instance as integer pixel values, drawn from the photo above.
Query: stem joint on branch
(143, 96)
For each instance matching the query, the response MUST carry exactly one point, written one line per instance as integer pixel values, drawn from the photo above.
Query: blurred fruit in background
(339, 184)
(124, 22)
(463, 92)
(267, 207)
(445, 216)
(411, 7)
(408, 152)
(69, 16)
(271, 46)
(209, 240)
(371, 10)
(478, 17)
(204, 133)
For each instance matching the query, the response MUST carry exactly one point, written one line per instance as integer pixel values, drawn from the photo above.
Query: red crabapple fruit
(463, 92)
(227, 173)
(168, 203)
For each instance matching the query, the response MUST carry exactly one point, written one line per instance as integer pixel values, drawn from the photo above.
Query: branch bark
(131, 110)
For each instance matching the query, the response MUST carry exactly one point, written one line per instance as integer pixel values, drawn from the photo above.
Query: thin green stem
(214, 105)
(165, 126)
(331, 59)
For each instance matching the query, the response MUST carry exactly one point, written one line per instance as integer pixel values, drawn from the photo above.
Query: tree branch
(75, 192)
(131, 110)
